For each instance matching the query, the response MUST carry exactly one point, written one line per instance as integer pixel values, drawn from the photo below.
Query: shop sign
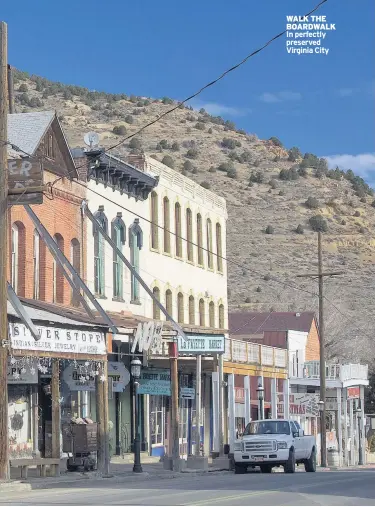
(155, 381)
(353, 393)
(201, 344)
(304, 404)
(17, 374)
(331, 404)
(148, 335)
(239, 395)
(55, 339)
(187, 393)
(116, 371)
(25, 175)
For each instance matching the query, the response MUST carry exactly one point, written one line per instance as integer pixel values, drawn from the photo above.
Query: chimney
(138, 161)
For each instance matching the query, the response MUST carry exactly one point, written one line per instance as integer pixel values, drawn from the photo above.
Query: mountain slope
(262, 267)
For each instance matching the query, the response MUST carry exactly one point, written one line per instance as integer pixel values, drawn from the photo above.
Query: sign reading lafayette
(201, 344)
(55, 339)
(147, 335)
(155, 381)
(25, 175)
(76, 381)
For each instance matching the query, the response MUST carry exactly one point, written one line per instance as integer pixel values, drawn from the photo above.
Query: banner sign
(21, 375)
(78, 381)
(304, 404)
(201, 344)
(239, 395)
(24, 173)
(353, 393)
(155, 381)
(56, 339)
(147, 336)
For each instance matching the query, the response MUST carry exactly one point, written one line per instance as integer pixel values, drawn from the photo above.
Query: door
(298, 441)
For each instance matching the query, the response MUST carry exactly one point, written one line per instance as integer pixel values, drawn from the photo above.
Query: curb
(14, 487)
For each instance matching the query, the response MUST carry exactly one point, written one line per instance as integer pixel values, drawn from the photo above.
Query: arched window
(168, 302)
(135, 243)
(18, 258)
(99, 252)
(118, 237)
(177, 218)
(200, 239)
(191, 310)
(75, 256)
(57, 274)
(221, 317)
(14, 257)
(167, 225)
(189, 235)
(180, 307)
(154, 221)
(155, 308)
(36, 264)
(219, 248)
(211, 311)
(202, 320)
(210, 262)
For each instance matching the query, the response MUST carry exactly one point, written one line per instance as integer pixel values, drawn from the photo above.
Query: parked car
(272, 443)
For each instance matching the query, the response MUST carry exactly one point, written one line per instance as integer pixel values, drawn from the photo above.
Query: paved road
(324, 488)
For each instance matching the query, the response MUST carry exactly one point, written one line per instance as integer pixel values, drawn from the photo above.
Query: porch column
(221, 403)
(362, 423)
(246, 382)
(215, 412)
(146, 419)
(286, 398)
(346, 435)
(198, 403)
(351, 420)
(231, 412)
(339, 424)
(207, 407)
(274, 398)
(35, 420)
(55, 392)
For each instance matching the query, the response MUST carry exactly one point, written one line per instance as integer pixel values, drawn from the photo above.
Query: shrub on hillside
(273, 184)
(232, 173)
(188, 166)
(23, 88)
(200, 125)
(175, 146)
(133, 99)
(210, 130)
(299, 229)
(227, 142)
(257, 177)
(167, 100)
(312, 203)
(212, 169)
(206, 184)
(294, 154)
(168, 160)
(258, 289)
(162, 145)
(225, 166)
(357, 214)
(195, 170)
(119, 130)
(282, 192)
(269, 229)
(276, 141)
(129, 119)
(135, 143)
(289, 174)
(318, 224)
(302, 171)
(192, 153)
(247, 300)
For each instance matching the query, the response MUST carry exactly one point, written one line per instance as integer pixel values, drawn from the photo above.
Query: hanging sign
(187, 393)
(56, 339)
(239, 394)
(79, 381)
(304, 404)
(147, 335)
(353, 393)
(155, 381)
(201, 344)
(18, 374)
(24, 176)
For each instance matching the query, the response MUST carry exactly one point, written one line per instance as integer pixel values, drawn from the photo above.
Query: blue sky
(323, 104)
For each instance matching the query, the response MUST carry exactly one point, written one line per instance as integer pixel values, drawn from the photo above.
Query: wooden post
(4, 459)
(100, 419)
(10, 90)
(175, 419)
(55, 392)
(107, 457)
(198, 404)
(35, 419)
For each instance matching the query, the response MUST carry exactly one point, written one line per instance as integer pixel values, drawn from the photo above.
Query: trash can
(333, 458)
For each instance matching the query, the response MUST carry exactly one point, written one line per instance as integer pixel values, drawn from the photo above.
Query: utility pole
(4, 461)
(320, 275)
(173, 357)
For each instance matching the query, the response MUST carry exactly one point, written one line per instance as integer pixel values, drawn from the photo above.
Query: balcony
(345, 374)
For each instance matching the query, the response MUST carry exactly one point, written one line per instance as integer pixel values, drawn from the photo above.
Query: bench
(40, 463)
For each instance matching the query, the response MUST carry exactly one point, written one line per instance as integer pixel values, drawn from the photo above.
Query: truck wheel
(266, 469)
(239, 469)
(310, 464)
(290, 465)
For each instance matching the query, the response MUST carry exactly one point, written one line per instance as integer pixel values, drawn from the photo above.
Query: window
(75, 256)
(156, 309)
(99, 252)
(221, 317)
(156, 419)
(180, 307)
(154, 221)
(211, 311)
(118, 237)
(57, 274)
(210, 263)
(136, 243)
(200, 240)
(49, 147)
(168, 302)
(177, 218)
(167, 225)
(219, 248)
(36, 264)
(191, 310)
(201, 313)
(189, 235)
(14, 274)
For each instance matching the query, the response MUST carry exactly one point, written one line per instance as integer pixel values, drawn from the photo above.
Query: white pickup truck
(272, 443)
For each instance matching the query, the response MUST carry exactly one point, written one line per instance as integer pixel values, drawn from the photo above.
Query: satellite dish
(91, 139)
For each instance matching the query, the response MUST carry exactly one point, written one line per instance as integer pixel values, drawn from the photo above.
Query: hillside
(212, 152)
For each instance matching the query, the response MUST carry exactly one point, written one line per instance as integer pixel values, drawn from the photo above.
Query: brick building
(32, 270)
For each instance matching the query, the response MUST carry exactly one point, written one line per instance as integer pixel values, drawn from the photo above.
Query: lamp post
(260, 393)
(135, 368)
(358, 411)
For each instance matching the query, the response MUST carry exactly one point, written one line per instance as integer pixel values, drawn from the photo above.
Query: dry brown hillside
(215, 154)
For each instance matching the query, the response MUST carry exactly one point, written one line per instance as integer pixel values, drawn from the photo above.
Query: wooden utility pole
(100, 420)
(173, 357)
(56, 410)
(10, 90)
(320, 275)
(4, 460)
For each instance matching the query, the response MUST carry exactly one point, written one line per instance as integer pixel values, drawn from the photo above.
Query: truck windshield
(267, 428)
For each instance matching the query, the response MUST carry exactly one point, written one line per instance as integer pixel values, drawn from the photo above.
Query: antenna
(91, 139)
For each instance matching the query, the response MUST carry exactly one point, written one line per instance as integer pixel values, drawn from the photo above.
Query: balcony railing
(238, 351)
(342, 372)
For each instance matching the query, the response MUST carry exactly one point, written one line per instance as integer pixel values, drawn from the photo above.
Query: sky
(322, 103)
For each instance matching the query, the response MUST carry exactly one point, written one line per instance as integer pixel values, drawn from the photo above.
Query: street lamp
(260, 393)
(358, 411)
(135, 369)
